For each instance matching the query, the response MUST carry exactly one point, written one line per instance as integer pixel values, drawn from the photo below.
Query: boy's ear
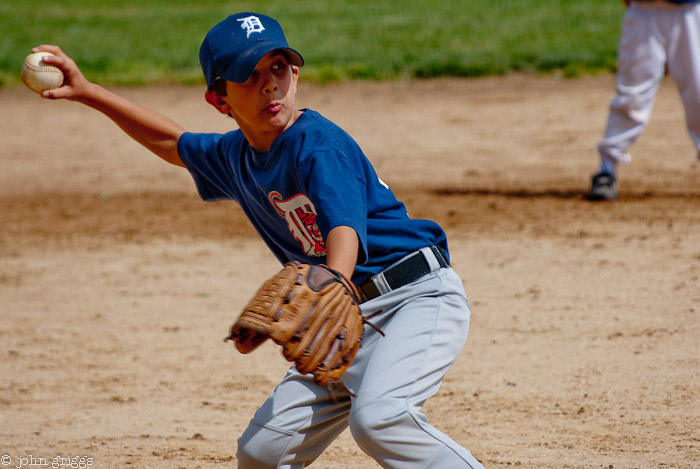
(217, 101)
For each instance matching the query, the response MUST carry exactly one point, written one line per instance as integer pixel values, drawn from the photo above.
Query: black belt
(407, 270)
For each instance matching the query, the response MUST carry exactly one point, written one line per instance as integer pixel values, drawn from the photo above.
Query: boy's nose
(270, 84)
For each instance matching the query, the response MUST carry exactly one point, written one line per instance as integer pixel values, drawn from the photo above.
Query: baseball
(39, 76)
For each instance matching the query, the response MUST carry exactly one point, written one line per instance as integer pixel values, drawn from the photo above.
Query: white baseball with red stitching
(39, 76)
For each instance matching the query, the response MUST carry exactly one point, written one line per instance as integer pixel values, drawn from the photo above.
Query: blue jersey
(314, 178)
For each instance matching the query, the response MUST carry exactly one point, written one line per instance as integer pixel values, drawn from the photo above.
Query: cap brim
(240, 69)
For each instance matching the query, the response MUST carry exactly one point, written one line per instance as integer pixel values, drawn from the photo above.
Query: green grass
(129, 42)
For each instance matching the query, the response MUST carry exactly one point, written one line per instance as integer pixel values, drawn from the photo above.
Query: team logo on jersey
(251, 24)
(300, 214)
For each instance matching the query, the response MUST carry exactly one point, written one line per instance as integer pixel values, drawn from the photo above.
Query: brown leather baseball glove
(312, 312)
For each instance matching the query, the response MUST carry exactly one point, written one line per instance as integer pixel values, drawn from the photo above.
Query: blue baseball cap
(232, 49)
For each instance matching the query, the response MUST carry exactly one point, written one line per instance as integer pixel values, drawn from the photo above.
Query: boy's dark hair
(219, 87)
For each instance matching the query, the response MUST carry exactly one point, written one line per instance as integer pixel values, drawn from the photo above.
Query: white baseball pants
(654, 35)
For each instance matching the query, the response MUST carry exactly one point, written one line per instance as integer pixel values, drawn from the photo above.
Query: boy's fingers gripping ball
(40, 76)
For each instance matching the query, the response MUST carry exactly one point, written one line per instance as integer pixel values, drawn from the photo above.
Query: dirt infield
(117, 284)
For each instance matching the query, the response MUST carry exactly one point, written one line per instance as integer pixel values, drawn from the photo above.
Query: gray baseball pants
(425, 325)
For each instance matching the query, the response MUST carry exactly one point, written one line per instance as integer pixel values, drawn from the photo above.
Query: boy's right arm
(151, 129)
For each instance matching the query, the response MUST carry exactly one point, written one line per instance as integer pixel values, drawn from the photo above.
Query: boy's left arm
(342, 246)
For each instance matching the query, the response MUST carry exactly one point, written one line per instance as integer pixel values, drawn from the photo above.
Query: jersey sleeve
(208, 161)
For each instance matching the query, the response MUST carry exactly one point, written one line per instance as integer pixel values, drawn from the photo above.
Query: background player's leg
(641, 63)
(684, 65)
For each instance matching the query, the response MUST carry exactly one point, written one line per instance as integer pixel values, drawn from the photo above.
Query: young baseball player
(656, 35)
(315, 198)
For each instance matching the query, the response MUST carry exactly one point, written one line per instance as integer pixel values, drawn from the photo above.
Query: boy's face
(263, 106)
